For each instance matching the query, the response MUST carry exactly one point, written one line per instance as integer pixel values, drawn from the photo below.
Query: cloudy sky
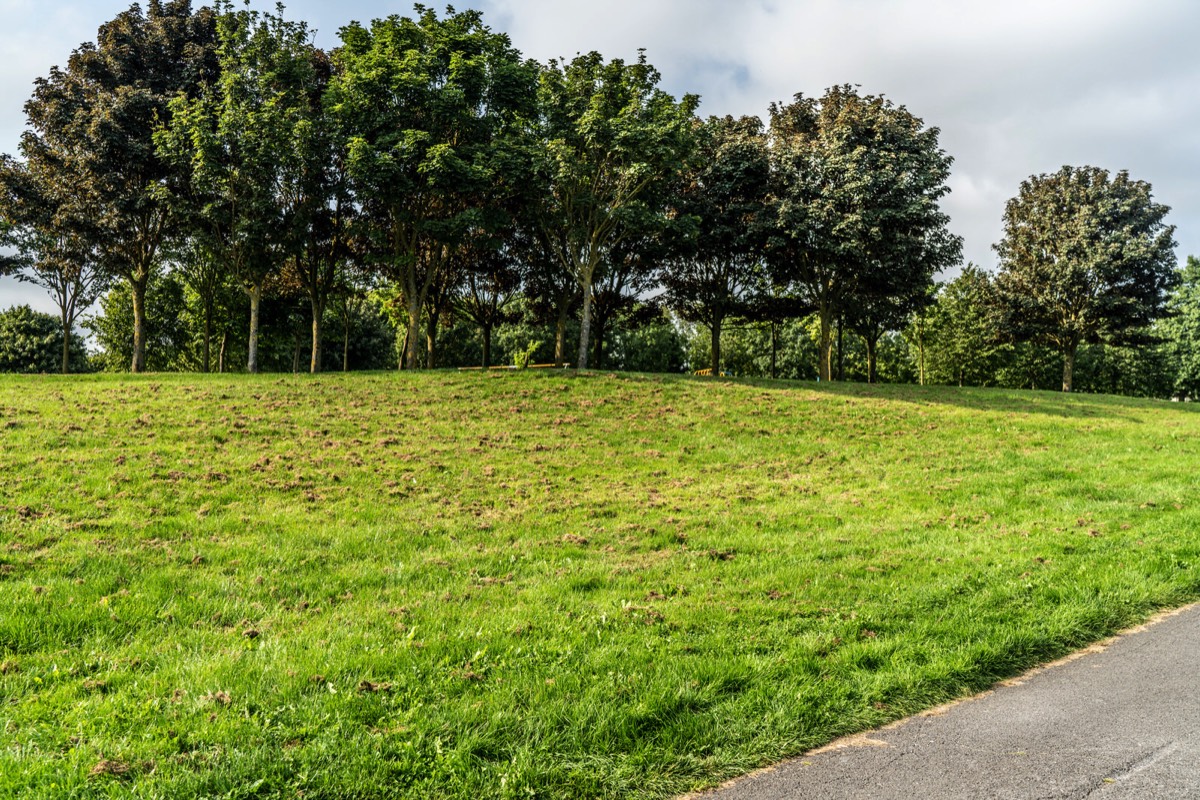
(1017, 88)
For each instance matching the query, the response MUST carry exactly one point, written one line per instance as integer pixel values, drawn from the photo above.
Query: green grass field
(543, 585)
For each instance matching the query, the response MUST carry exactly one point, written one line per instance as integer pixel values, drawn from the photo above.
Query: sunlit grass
(445, 585)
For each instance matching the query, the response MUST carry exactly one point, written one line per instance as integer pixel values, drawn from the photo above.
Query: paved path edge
(865, 738)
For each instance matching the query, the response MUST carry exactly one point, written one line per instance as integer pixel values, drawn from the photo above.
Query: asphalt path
(1120, 721)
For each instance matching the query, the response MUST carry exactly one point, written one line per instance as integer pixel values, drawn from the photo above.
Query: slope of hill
(543, 585)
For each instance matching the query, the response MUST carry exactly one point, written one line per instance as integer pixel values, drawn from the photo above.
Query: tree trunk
(66, 353)
(346, 345)
(585, 323)
(296, 357)
(872, 356)
(921, 355)
(715, 330)
(825, 360)
(314, 363)
(224, 348)
(255, 301)
(139, 327)
(414, 334)
(431, 341)
(598, 347)
(487, 346)
(208, 337)
(841, 328)
(560, 334)
(1069, 367)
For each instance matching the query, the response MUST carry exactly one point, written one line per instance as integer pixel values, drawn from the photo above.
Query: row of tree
(953, 341)
(426, 163)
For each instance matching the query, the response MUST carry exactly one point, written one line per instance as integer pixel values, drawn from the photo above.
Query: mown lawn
(543, 585)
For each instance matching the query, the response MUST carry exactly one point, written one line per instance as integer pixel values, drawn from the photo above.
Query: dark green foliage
(962, 341)
(507, 211)
(31, 342)
(1141, 371)
(528, 332)
(748, 349)
(95, 120)
(434, 110)
(255, 153)
(166, 332)
(1085, 258)
(1182, 331)
(611, 142)
(722, 197)
(859, 231)
(371, 344)
(654, 345)
(55, 250)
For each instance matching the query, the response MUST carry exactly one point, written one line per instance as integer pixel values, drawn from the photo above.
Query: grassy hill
(543, 585)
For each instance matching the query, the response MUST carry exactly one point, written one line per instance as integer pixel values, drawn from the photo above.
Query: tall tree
(431, 108)
(200, 268)
(54, 241)
(609, 135)
(964, 339)
(629, 271)
(723, 193)
(1085, 257)
(247, 142)
(552, 292)
(94, 120)
(1181, 329)
(491, 280)
(858, 181)
(317, 189)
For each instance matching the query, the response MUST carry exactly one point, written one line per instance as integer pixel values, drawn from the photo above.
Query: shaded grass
(543, 585)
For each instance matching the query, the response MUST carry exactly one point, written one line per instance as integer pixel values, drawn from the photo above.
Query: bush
(31, 343)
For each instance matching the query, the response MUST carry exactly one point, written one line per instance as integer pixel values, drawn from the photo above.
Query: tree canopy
(1085, 257)
(609, 137)
(858, 185)
(425, 185)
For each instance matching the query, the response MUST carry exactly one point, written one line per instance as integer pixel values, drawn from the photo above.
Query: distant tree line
(234, 197)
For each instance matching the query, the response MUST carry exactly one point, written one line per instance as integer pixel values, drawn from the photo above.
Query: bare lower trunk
(296, 356)
(66, 353)
(715, 330)
(598, 347)
(139, 327)
(487, 346)
(414, 335)
(431, 342)
(346, 347)
(921, 357)
(841, 336)
(825, 361)
(314, 363)
(224, 350)
(207, 338)
(255, 303)
(585, 323)
(560, 336)
(1068, 369)
(872, 363)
